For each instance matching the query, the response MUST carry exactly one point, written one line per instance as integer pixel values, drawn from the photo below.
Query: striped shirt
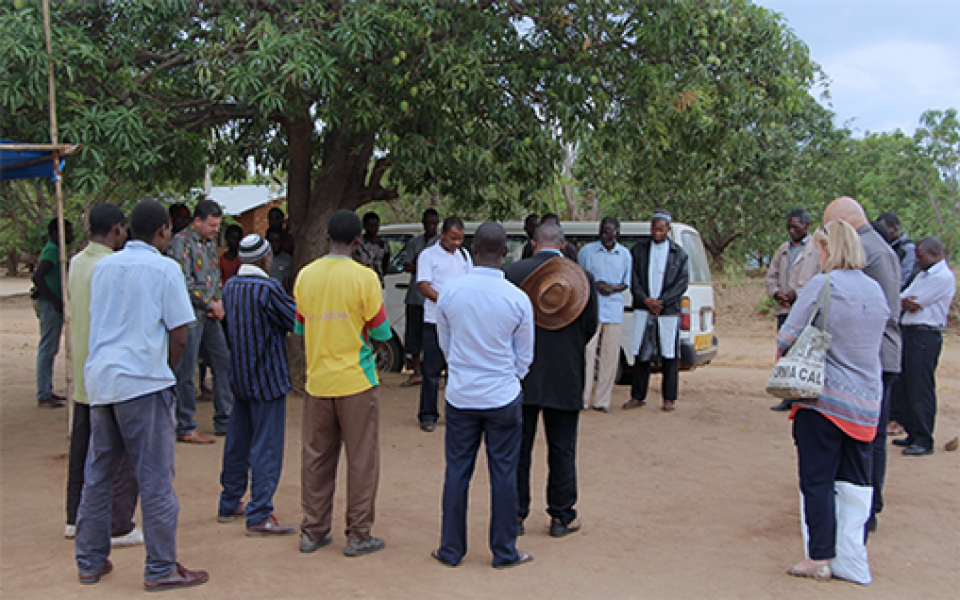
(259, 314)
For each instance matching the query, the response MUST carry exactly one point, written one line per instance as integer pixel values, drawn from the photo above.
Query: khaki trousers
(328, 423)
(607, 339)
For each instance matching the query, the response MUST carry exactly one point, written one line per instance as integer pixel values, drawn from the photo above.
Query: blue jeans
(204, 335)
(143, 427)
(51, 324)
(502, 429)
(254, 444)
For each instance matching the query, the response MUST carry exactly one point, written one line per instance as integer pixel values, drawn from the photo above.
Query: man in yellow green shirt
(108, 232)
(340, 311)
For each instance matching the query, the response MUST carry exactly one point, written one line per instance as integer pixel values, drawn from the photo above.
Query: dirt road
(700, 503)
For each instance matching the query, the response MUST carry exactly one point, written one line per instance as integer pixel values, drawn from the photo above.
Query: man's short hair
(52, 229)
(370, 216)
(103, 217)
(207, 208)
(881, 228)
(800, 214)
(490, 238)
(931, 244)
(550, 217)
(344, 226)
(146, 218)
(531, 217)
(430, 212)
(452, 222)
(549, 234)
(610, 219)
(233, 228)
(274, 211)
(889, 218)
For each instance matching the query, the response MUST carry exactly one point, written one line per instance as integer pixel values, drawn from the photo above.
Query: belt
(921, 328)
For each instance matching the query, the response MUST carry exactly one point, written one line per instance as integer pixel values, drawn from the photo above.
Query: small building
(249, 205)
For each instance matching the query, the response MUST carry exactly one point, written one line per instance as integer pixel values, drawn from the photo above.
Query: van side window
(699, 266)
(396, 243)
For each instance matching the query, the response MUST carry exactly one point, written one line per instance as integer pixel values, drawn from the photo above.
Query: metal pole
(61, 227)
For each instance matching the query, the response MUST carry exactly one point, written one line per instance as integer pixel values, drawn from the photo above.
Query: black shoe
(428, 426)
(784, 405)
(917, 450)
(903, 442)
(559, 529)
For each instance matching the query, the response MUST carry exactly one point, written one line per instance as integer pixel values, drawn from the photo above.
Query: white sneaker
(134, 538)
(69, 531)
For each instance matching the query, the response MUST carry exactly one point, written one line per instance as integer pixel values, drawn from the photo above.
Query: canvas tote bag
(800, 373)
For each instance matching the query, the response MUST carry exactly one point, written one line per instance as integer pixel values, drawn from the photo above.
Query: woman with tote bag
(833, 431)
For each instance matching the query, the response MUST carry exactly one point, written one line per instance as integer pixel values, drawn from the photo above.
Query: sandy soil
(700, 503)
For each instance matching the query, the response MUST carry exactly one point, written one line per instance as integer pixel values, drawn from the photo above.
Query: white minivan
(698, 342)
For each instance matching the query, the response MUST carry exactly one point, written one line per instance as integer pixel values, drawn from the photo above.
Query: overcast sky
(888, 60)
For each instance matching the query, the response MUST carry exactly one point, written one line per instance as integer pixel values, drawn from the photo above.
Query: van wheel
(389, 355)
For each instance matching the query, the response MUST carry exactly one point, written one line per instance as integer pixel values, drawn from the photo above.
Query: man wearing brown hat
(564, 299)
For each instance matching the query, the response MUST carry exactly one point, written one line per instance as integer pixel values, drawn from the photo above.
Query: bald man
(883, 266)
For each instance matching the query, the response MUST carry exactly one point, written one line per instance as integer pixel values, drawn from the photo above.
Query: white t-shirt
(438, 266)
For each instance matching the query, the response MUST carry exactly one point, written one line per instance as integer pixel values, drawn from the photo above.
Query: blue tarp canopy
(25, 161)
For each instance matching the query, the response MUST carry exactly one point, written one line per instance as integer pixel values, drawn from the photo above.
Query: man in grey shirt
(883, 266)
(413, 334)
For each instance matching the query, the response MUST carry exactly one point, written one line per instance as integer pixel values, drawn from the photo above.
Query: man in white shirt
(926, 303)
(485, 327)
(437, 265)
(610, 264)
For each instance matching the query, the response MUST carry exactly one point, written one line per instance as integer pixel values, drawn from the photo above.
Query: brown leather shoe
(91, 578)
(633, 403)
(669, 405)
(180, 577)
(194, 437)
(270, 527)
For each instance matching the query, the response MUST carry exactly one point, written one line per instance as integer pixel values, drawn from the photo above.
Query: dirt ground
(700, 503)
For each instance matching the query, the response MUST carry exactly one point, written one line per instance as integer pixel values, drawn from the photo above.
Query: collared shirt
(411, 253)
(200, 261)
(658, 267)
(78, 288)
(612, 266)
(933, 289)
(141, 296)
(339, 311)
(793, 252)
(259, 314)
(437, 266)
(486, 330)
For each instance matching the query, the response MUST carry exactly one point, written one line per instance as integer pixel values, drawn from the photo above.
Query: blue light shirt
(486, 331)
(612, 266)
(138, 295)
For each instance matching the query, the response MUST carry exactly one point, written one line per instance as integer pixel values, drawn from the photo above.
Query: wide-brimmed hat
(559, 291)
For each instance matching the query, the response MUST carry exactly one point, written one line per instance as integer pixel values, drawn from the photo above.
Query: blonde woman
(833, 432)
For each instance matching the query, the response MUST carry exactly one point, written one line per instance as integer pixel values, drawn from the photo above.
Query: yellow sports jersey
(339, 310)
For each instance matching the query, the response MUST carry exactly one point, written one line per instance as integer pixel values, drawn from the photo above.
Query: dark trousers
(432, 367)
(641, 378)
(825, 455)
(781, 319)
(560, 427)
(144, 427)
(124, 483)
(879, 445)
(501, 429)
(921, 353)
(254, 447)
(204, 337)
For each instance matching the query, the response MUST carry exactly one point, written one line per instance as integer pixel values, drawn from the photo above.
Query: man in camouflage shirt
(195, 249)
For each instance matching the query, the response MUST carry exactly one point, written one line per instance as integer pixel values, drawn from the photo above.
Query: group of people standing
(886, 336)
